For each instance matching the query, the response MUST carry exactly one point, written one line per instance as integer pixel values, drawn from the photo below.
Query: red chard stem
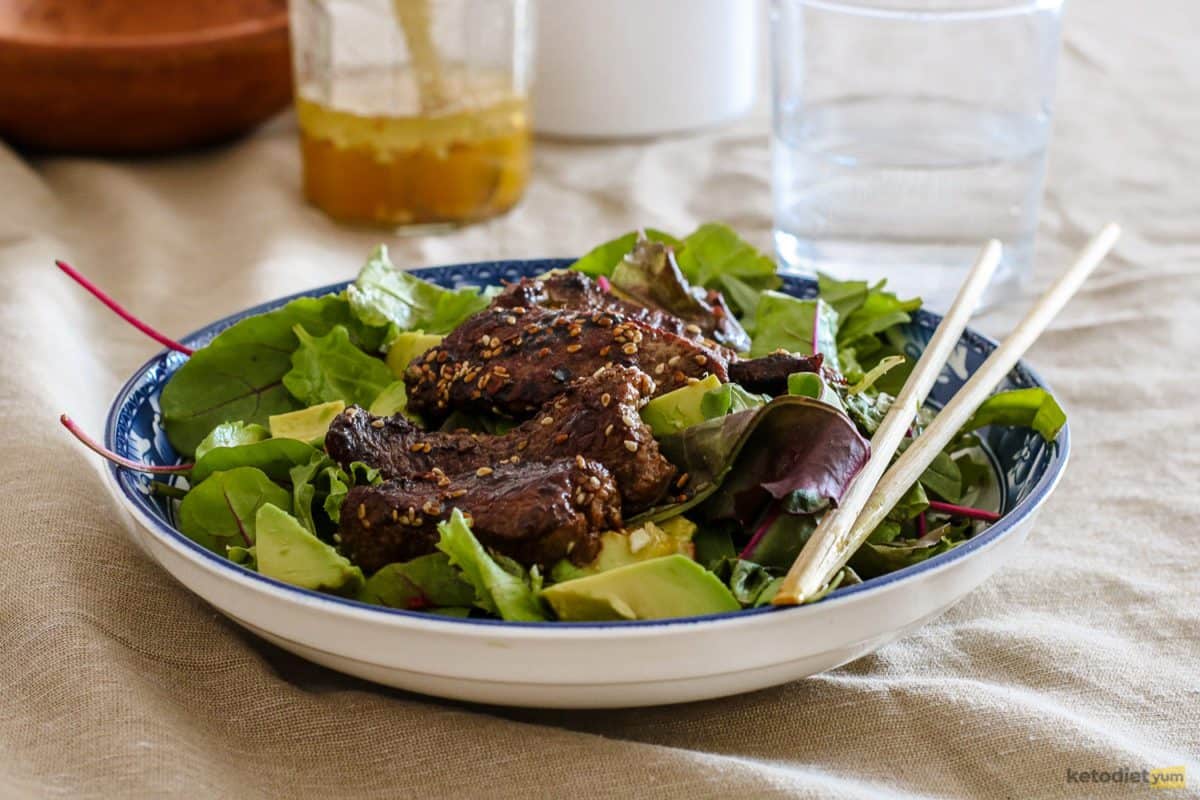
(120, 311)
(963, 511)
(120, 461)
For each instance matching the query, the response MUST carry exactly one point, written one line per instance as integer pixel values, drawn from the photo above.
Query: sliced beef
(510, 361)
(575, 291)
(769, 373)
(536, 513)
(595, 417)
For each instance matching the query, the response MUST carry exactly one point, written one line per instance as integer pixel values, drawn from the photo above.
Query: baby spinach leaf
(275, 457)
(497, 591)
(746, 580)
(943, 478)
(239, 375)
(220, 511)
(786, 322)
(384, 295)
(330, 367)
(785, 535)
(426, 582)
(872, 560)
(1031, 408)
(603, 259)
(231, 434)
(865, 311)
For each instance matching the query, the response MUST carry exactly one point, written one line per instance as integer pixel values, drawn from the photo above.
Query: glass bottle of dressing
(413, 112)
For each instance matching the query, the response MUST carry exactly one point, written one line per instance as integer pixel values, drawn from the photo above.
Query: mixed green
(252, 409)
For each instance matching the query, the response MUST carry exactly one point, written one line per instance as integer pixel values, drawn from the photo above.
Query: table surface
(1082, 654)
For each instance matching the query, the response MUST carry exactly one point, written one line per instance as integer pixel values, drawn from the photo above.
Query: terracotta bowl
(139, 76)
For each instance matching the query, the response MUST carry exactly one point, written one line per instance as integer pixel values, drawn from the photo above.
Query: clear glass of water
(908, 132)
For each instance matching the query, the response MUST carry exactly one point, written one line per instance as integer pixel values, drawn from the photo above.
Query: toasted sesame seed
(692, 328)
(604, 322)
(432, 508)
(511, 320)
(416, 447)
(362, 511)
(376, 423)
(683, 479)
(629, 349)
(594, 482)
(672, 361)
(605, 399)
(457, 493)
(521, 445)
(692, 381)
(660, 368)
(574, 348)
(561, 438)
(366, 523)
(483, 472)
(608, 430)
(428, 448)
(545, 351)
(443, 482)
(631, 445)
(515, 459)
(547, 420)
(574, 330)
(701, 359)
(579, 461)
(395, 515)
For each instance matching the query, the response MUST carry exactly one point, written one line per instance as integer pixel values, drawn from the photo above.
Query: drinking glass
(908, 132)
(413, 113)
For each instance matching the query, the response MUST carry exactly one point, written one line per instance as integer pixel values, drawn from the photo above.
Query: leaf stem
(963, 511)
(120, 311)
(120, 461)
(922, 525)
(768, 521)
(816, 329)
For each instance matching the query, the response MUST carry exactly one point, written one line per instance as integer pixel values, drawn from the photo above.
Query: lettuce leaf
(424, 583)
(603, 259)
(330, 367)
(497, 591)
(786, 322)
(1031, 408)
(384, 295)
(714, 251)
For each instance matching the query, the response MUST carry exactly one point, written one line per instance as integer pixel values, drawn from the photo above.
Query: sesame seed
(428, 448)
(702, 359)
(416, 447)
(574, 348)
(594, 482)
(608, 430)
(604, 351)
(521, 445)
(604, 322)
(692, 328)
(457, 493)
(547, 420)
(443, 482)
(629, 349)
(545, 351)
(395, 515)
(561, 438)
(511, 320)
(631, 445)
(605, 399)
(579, 461)
(672, 361)
(362, 511)
(574, 330)
(483, 472)
(692, 381)
(515, 459)
(660, 368)
(683, 479)
(376, 423)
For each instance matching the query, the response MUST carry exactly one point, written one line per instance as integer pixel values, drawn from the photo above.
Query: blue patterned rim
(1027, 467)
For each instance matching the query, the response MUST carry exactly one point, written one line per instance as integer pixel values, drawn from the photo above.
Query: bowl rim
(1011, 520)
(222, 34)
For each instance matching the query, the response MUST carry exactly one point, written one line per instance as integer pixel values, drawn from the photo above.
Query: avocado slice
(308, 424)
(286, 551)
(407, 346)
(660, 588)
(674, 411)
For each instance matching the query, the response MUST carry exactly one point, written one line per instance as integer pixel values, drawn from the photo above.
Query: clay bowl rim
(252, 28)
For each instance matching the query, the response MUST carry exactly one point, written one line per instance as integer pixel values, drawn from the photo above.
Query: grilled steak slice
(769, 373)
(575, 291)
(595, 417)
(510, 361)
(534, 513)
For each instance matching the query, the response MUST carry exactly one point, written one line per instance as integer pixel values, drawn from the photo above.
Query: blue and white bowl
(580, 665)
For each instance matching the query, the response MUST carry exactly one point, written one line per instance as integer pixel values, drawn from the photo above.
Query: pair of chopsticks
(877, 488)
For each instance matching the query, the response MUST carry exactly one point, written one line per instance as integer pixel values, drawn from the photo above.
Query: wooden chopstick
(873, 496)
(816, 562)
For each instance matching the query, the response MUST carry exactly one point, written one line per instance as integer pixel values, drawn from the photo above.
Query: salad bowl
(585, 664)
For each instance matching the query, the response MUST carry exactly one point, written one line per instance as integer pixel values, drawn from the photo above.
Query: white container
(633, 68)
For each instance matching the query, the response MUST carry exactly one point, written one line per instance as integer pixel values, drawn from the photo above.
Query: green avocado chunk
(660, 588)
(674, 411)
(286, 551)
(407, 346)
(308, 424)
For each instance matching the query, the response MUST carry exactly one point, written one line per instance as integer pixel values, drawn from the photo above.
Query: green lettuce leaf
(275, 457)
(231, 434)
(786, 322)
(330, 367)
(730, 398)
(497, 591)
(220, 511)
(384, 295)
(424, 583)
(1031, 408)
(864, 310)
(603, 259)
(340, 482)
(239, 375)
(714, 251)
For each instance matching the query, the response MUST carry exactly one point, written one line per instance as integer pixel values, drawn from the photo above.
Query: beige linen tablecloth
(1083, 653)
